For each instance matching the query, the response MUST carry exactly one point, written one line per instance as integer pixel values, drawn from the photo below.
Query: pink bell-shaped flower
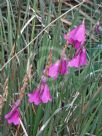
(54, 70)
(41, 94)
(76, 36)
(59, 67)
(34, 97)
(78, 60)
(14, 115)
(45, 93)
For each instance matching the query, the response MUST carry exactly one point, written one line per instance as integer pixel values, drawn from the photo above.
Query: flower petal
(63, 67)
(76, 36)
(14, 117)
(74, 62)
(45, 97)
(78, 60)
(83, 58)
(54, 69)
(34, 97)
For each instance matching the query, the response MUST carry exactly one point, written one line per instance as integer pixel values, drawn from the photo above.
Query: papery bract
(83, 57)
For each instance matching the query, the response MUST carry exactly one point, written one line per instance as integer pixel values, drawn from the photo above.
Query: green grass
(76, 109)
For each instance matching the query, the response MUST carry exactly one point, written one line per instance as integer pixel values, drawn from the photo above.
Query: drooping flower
(76, 36)
(78, 60)
(59, 67)
(35, 97)
(41, 94)
(14, 115)
(54, 70)
(45, 93)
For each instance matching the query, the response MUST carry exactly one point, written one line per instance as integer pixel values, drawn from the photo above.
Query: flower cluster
(41, 94)
(76, 37)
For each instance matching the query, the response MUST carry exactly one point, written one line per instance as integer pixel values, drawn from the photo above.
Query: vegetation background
(26, 37)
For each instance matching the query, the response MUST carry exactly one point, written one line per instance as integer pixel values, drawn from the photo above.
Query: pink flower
(14, 115)
(59, 66)
(45, 93)
(41, 94)
(35, 97)
(63, 67)
(79, 60)
(76, 36)
(54, 70)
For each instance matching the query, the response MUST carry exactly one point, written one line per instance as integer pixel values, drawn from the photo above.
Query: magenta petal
(77, 45)
(79, 60)
(63, 67)
(76, 36)
(83, 58)
(15, 106)
(34, 97)
(71, 36)
(54, 69)
(45, 96)
(14, 117)
(74, 62)
(80, 34)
